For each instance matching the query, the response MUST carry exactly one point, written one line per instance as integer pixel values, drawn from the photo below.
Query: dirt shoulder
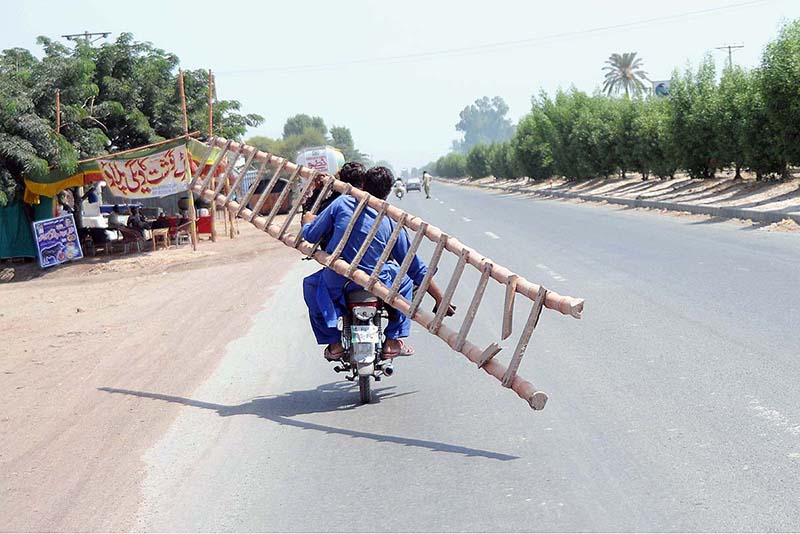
(724, 191)
(70, 453)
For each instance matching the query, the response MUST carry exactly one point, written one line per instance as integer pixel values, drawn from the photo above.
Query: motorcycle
(362, 339)
(399, 190)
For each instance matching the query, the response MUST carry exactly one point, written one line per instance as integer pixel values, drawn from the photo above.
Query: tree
(779, 80)
(760, 143)
(453, 165)
(655, 149)
(484, 122)
(732, 111)
(478, 164)
(624, 72)
(694, 108)
(343, 140)
(501, 160)
(298, 124)
(531, 144)
(28, 144)
(265, 144)
(117, 96)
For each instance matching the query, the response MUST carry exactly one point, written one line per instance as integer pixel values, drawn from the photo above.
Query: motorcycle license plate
(367, 333)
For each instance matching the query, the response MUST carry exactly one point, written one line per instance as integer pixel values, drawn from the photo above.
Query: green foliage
(298, 124)
(531, 145)
(779, 83)
(342, 139)
(694, 119)
(453, 165)
(483, 122)
(655, 151)
(117, 96)
(746, 120)
(478, 162)
(731, 113)
(502, 163)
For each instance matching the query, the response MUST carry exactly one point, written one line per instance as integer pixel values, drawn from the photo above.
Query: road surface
(674, 402)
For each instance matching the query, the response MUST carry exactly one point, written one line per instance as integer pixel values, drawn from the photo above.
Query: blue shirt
(333, 221)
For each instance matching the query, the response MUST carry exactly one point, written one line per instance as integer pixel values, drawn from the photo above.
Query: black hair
(378, 182)
(353, 172)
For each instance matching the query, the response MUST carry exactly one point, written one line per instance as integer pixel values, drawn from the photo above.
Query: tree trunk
(738, 172)
(77, 207)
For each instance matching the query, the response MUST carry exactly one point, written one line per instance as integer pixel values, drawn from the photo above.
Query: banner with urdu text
(149, 172)
(156, 175)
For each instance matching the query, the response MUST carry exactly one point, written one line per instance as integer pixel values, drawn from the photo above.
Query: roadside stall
(151, 172)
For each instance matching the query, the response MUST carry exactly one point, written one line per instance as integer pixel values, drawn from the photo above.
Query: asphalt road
(674, 403)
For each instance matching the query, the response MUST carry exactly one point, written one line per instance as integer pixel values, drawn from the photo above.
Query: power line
(491, 47)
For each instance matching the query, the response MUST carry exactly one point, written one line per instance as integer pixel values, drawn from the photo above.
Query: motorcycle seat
(360, 296)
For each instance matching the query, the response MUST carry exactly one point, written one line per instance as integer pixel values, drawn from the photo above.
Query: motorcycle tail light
(364, 312)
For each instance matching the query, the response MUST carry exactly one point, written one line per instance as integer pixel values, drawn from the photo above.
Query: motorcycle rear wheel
(365, 389)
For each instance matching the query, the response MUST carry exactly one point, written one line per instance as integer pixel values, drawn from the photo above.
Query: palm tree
(624, 72)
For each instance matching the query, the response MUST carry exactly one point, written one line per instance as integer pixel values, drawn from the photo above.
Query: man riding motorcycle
(324, 290)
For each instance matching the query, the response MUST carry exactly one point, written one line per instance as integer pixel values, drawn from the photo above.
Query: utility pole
(78, 195)
(89, 37)
(730, 49)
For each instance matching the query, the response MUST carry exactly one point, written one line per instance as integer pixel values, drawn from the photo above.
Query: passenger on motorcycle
(351, 172)
(324, 290)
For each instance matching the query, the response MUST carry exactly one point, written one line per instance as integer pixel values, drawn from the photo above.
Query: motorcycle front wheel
(365, 389)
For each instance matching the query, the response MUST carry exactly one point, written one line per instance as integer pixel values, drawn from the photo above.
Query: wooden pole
(58, 111)
(192, 210)
(211, 133)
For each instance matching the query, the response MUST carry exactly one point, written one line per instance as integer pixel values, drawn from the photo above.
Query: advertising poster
(57, 241)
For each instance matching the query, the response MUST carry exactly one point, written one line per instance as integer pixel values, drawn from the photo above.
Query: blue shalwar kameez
(324, 290)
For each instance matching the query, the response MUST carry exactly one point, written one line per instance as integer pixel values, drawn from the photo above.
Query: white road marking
(774, 417)
(492, 235)
(441, 202)
(465, 219)
(551, 272)
(451, 209)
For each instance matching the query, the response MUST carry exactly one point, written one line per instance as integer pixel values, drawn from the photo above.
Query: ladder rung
(367, 241)
(265, 194)
(347, 231)
(228, 171)
(433, 328)
(423, 287)
(210, 175)
(296, 206)
(399, 225)
(287, 189)
(469, 317)
(412, 252)
(241, 176)
(252, 189)
(202, 164)
(522, 344)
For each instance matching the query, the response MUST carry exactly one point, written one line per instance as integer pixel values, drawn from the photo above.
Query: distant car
(413, 184)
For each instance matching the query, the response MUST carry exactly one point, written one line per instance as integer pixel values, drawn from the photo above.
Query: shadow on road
(331, 397)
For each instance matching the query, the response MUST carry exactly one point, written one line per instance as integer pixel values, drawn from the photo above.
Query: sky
(398, 73)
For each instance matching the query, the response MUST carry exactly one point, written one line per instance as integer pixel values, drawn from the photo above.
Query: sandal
(404, 350)
(333, 356)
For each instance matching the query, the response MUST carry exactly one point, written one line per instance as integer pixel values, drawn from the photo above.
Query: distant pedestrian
(426, 183)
